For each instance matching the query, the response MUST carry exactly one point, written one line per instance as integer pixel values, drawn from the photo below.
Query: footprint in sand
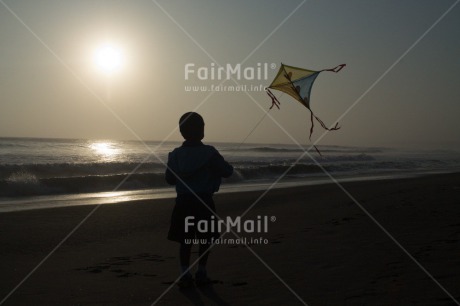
(213, 282)
(167, 283)
(111, 265)
(127, 274)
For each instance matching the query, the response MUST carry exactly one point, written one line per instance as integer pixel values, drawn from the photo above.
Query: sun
(108, 58)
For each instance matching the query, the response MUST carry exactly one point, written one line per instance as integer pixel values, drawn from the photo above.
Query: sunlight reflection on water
(105, 149)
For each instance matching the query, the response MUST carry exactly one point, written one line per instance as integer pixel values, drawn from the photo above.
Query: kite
(297, 82)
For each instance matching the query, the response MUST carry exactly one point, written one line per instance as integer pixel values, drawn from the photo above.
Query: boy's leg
(204, 213)
(186, 281)
(185, 251)
(201, 275)
(203, 254)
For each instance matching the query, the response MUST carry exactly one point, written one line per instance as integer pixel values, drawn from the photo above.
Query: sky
(399, 88)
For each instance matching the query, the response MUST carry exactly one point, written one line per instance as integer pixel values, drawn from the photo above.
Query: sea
(41, 173)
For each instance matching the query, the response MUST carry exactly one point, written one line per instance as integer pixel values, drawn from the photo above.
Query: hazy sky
(49, 86)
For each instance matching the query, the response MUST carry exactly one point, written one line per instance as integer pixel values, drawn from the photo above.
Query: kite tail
(312, 117)
(317, 150)
(275, 101)
(311, 131)
(335, 128)
(336, 69)
(312, 124)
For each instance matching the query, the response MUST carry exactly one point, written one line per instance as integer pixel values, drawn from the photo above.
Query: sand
(322, 246)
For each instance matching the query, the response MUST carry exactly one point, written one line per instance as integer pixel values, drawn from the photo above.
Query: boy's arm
(218, 164)
(169, 175)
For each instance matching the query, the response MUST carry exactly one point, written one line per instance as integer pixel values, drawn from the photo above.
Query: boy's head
(191, 126)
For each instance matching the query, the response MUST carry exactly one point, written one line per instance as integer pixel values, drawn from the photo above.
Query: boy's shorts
(189, 205)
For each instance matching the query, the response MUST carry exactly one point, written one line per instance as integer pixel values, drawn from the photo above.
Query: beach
(322, 249)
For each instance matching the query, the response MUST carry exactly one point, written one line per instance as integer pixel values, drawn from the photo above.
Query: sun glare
(108, 58)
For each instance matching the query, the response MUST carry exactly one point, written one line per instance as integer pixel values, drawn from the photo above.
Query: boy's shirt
(199, 166)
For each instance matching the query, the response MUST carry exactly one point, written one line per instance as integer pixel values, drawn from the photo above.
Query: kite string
(253, 129)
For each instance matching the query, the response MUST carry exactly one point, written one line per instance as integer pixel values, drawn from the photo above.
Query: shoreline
(322, 245)
(11, 204)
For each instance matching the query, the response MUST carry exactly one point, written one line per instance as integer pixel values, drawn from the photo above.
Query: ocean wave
(271, 149)
(77, 169)
(82, 178)
(26, 184)
(56, 170)
(323, 149)
(322, 159)
(29, 185)
(23, 183)
(271, 171)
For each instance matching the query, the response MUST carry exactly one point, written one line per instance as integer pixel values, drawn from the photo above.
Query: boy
(196, 170)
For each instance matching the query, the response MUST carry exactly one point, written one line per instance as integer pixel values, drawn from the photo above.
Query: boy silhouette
(196, 169)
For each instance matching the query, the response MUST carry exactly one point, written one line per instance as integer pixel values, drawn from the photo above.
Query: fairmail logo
(228, 72)
(258, 225)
